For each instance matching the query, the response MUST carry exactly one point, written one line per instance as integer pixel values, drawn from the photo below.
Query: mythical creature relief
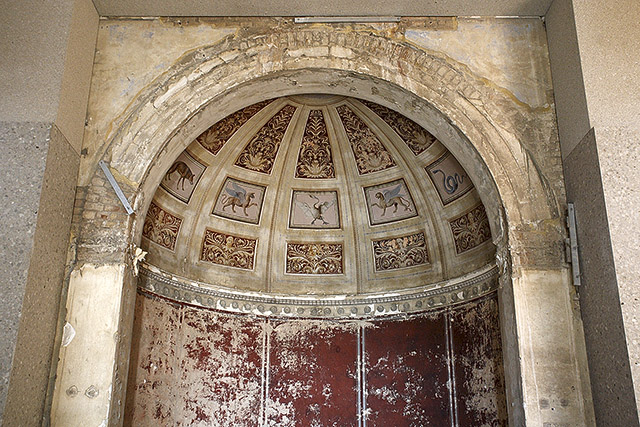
(161, 227)
(237, 196)
(240, 200)
(389, 202)
(416, 137)
(314, 258)
(183, 176)
(471, 229)
(260, 153)
(314, 209)
(370, 154)
(225, 249)
(392, 198)
(214, 138)
(449, 178)
(400, 252)
(315, 160)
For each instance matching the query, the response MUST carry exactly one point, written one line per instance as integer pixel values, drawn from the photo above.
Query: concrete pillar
(47, 50)
(551, 351)
(594, 49)
(94, 355)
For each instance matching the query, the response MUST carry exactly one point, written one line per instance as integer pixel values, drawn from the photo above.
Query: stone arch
(419, 83)
(485, 128)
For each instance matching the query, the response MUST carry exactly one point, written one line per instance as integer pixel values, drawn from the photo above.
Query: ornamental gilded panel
(400, 252)
(161, 227)
(471, 229)
(214, 138)
(370, 154)
(259, 154)
(314, 159)
(314, 258)
(416, 137)
(229, 250)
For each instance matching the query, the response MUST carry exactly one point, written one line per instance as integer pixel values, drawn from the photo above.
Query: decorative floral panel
(161, 227)
(369, 153)
(229, 250)
(400, 252)
(259, 155)
(214, 138)
(416, 137)
(471, 229)
(315, 160)
(314, 258)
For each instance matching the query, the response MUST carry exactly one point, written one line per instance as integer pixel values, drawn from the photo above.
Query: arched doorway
(317, 260)
(488, 132)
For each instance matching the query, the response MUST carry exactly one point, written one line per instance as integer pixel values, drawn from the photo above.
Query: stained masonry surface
(198, 367)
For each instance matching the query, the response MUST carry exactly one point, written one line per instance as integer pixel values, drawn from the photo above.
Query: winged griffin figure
(392, 198)
(315, 211)
(237, 196)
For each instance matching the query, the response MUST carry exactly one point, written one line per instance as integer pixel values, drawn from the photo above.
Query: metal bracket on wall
(572, 244)
(116, 187)
(345, 19)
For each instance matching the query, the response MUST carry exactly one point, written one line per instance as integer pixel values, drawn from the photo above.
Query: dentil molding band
(429, 297)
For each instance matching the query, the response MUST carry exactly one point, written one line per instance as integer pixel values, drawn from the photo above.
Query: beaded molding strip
(426, 298)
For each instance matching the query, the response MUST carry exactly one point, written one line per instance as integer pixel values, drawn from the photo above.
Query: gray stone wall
(593, 50)
(24, 147)
(47, 53)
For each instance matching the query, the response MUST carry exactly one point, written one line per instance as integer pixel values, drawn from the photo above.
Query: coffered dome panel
(317, 194)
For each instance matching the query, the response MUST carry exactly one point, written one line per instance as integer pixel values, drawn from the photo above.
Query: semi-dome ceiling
(317, 194)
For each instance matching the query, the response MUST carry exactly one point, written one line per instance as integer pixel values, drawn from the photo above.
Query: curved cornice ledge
(426, 298)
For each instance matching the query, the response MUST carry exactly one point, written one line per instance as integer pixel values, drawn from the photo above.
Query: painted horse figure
(184, 172)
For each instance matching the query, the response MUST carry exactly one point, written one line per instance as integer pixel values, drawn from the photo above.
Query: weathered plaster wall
(511, 53)
(129, 55)
(132, 53)
(203, 367)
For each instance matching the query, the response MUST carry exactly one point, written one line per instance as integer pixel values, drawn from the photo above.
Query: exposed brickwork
(104, 224)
